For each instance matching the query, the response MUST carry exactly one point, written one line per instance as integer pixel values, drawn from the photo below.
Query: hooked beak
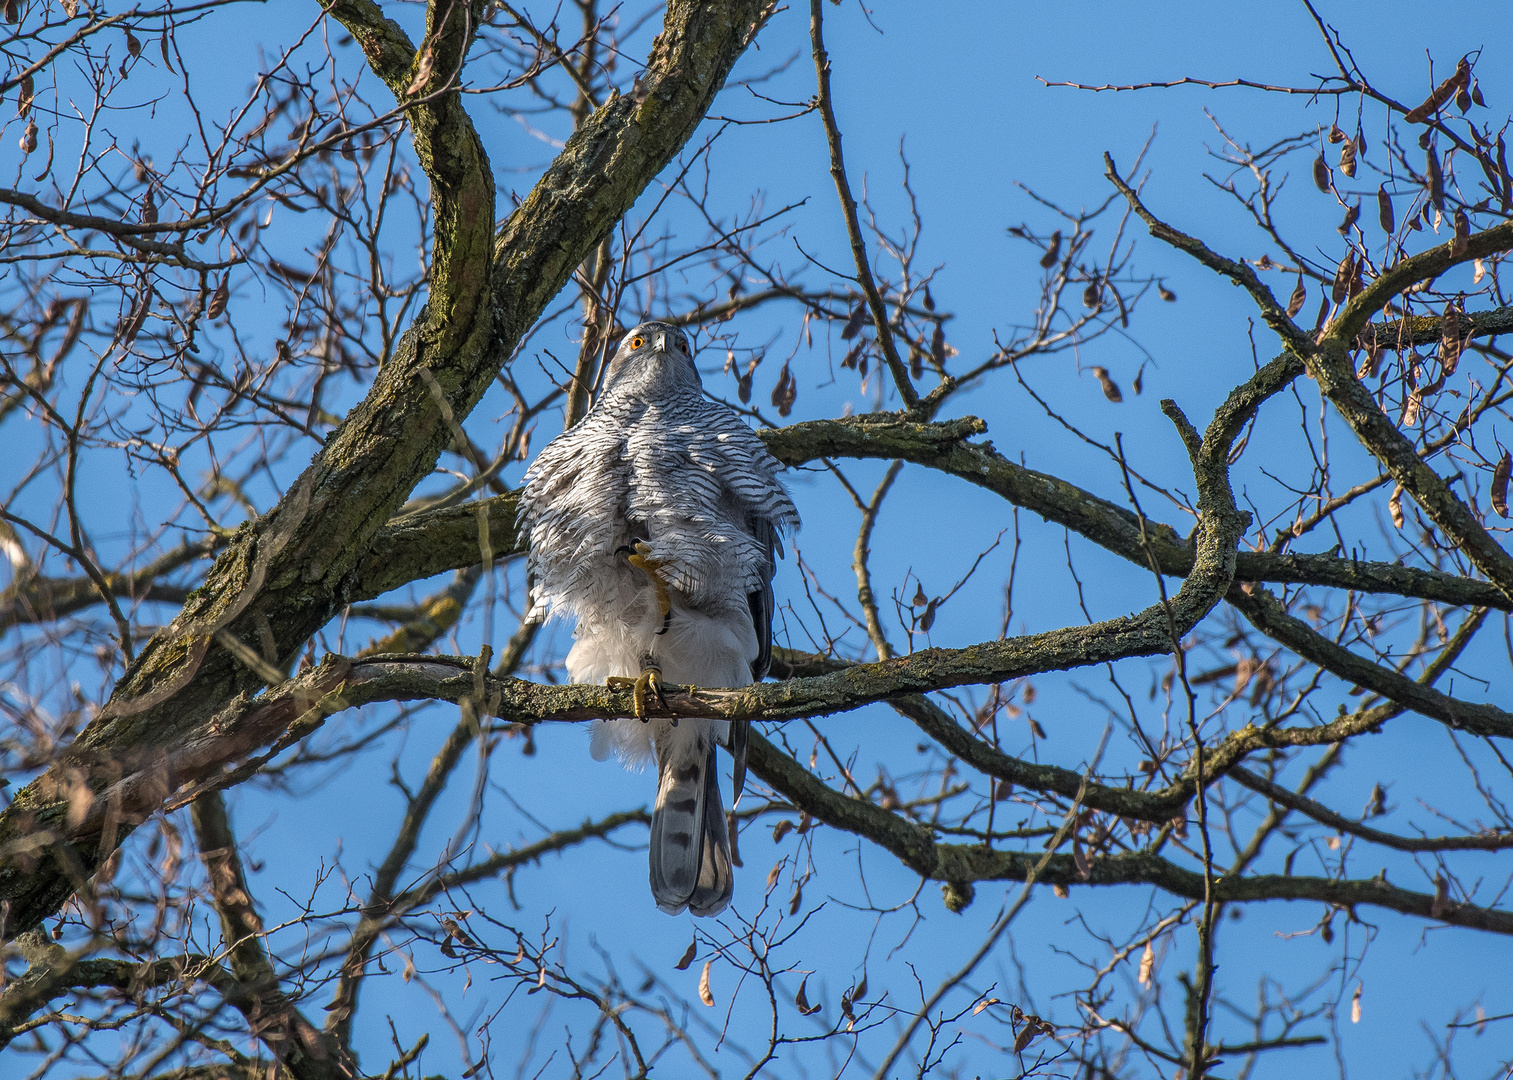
(662, 342)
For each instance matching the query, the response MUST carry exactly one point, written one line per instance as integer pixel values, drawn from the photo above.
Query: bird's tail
(690, 849)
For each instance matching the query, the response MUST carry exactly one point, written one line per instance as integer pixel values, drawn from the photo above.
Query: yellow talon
(649, 681)
(643, 561)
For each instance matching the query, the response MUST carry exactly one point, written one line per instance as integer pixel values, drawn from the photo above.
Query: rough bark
(291, 570)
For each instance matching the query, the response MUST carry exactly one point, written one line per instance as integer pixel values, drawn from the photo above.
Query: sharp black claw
(666, 622)
(624, 548)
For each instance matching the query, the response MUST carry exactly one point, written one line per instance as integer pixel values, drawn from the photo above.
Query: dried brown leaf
(220, 297)
(1442, 93)
(687, 957)
(1295, 301)
(1321, 173)
(1436, 181)
(772, 875)
(1441, 903)
(801, 999)
(423, 70)
(1079, 858)
(798, 898)
(786, 392)
(1499, 491)
(985, 1003)
(927, 617)
(854, 323)
(1342, 277)
(1449, 339)
(1462, 237)
(1384, 214)
(706, 995)
(1110, 388)
(1347, 158)
(1025, 1037)
(1053, 252)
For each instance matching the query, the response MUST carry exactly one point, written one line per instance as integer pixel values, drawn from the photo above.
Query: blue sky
(956, 84)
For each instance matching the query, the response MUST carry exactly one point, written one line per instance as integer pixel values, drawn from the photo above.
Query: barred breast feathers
(684, 470)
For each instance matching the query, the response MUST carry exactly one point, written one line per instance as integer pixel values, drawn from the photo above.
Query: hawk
(654, 521)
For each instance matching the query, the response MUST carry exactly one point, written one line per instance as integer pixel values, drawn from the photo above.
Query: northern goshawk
(655, 521)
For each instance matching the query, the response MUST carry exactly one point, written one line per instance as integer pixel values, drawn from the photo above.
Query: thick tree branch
(293, 569)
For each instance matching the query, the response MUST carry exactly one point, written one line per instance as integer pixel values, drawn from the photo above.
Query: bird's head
(652, 354)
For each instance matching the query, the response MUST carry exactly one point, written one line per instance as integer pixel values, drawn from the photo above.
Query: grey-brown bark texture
(215, 699)
(297, 565)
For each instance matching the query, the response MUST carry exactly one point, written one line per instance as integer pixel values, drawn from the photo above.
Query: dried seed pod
(1463, 99)
(1347, 158)
(1110, 388)
(1343, 274)
(1450, 340)
(706, 995)
(1165, 293)
(785, 392)
(1321, 174)
(26, 95)
(854, 323)
(1352, 213)
(219, 297)
(1373, 361)
(1395, 506)
(1442, 93)
(1384, 215)
(133, 46)
(1092, 296)
(1499, 491)
(1462, 237)
(1476, 98)
(801, 999)
(927, 617)
(149, 208)
(1295, 301)
(687, 958)
(1335, 134)
(1147, 965)
(29, 137)
(1436, 179)
(1052, 252)
(12, 11)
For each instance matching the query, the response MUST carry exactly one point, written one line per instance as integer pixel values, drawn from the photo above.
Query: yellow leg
(649, 681)
(643, 561)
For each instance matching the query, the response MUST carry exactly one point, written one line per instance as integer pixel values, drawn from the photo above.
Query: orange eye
(637, 342)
